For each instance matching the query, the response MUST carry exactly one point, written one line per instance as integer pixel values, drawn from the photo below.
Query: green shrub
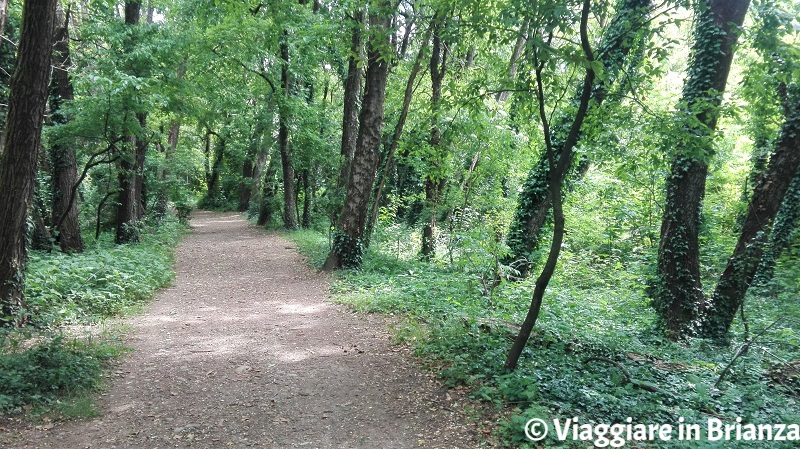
(49, 370)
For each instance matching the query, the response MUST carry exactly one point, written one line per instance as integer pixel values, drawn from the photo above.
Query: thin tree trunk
(348, 247)
(26, 108)
(268, 190)
(677, 292)
(513, 65)
(627, 30)
(289, 221)
(306, 219)
(768, 195)
(434, 181)
(559, 163)
(3, 16)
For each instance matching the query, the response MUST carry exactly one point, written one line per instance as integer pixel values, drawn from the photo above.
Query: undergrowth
(595, 352)
(48, 366)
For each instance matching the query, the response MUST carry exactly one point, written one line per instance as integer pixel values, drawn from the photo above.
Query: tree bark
(558, 164)
(66, 225)
(348, 247)
(677, 292)
(128, 203)
(3, 16)
(289, 221)
(352, 92)
(398, 132)
(26, 108)
(513, 65)
(268, 189)
(768, 195)
(627, 30)
(434, 180)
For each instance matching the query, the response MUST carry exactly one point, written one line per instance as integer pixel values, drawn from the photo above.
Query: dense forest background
(581, 207)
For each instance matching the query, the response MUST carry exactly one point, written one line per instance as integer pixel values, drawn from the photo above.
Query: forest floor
(245, 350)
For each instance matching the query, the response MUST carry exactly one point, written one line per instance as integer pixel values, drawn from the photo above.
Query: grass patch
(594, 310)
(52, 367)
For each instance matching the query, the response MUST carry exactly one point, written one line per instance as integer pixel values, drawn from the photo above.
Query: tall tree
(352, 92)
(130, 208)
(348, 246)
(767, 198)
(289, 220)
(26, 108)
(63, 162)
(434, 180)
(627, 31)
(559, 163)
(677, 291)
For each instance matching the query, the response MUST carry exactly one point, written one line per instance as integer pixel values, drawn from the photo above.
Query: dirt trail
(245, 351)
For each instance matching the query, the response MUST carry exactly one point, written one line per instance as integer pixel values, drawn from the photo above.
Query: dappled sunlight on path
(245, 351)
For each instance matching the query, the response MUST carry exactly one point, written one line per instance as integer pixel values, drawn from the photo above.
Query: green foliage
(106, 280)
(54, 368)
(596, 308)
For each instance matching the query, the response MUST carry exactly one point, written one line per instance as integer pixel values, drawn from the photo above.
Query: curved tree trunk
(769, 192)
(677, 292)
(23, 133)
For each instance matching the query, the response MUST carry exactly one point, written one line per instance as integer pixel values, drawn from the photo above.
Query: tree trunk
(140, 145)
(268, 190)
(3, 16)
(213, 179)
(66, 225)
(162, 199)
(558, 163)
(352, 93)
(434, 180)
(677, 292)
(786, 223)
(628, 30)
(398, 132)
(289, 221)
(26, 108)
(513, 66)
(768, 195)
(128, 207)
(347, 248)
(306, 220)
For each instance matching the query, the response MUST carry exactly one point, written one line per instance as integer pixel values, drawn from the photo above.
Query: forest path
(244, 350)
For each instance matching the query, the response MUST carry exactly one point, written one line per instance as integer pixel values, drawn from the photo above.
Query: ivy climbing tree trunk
(627, 31)
(348, 247)
(786, 224)
(768, 195)
(26, 109)
(677, 291)
(63, 162)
